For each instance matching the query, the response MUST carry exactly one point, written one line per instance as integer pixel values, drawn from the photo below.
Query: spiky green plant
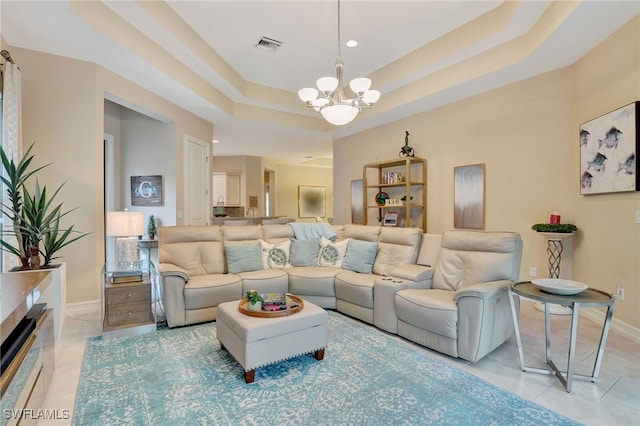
(14, 178)
(35, 218)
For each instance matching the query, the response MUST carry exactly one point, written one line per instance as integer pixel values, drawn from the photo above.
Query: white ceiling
(419, 54)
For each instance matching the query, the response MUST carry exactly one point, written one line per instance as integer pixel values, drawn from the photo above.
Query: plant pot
(257, 306)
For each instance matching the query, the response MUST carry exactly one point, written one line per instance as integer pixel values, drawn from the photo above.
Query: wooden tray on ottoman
(242, 306)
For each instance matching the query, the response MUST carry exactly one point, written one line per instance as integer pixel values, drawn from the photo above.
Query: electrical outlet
(533, 271)
(620, 292)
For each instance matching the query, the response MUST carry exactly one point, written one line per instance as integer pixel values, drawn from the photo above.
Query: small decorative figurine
(406, 150)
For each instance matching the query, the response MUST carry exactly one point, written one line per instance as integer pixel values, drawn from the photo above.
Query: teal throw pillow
(243, 258)
(360, 256)
(304, 252)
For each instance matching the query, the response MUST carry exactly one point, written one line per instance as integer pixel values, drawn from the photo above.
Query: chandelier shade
(329, 99)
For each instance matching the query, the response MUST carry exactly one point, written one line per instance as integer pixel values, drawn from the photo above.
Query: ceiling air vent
(268, 44)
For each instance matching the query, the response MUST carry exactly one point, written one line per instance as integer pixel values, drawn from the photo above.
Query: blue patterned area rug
(182, 377)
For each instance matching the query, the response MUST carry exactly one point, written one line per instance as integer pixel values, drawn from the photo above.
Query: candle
(554, 219)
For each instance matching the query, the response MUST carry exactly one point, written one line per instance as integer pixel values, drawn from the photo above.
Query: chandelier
(333, 104)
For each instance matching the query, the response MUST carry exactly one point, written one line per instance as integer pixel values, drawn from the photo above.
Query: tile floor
(613, 400)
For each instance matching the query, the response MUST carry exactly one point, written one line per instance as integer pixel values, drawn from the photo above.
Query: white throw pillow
(275, 256)
(332, 254)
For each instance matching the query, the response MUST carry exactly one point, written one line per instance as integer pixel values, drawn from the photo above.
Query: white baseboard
(619, 327)
(82, 308)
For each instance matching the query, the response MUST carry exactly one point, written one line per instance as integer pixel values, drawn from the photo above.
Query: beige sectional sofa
(359, 273)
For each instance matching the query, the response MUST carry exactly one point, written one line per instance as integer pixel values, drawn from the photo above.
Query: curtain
(11, 139)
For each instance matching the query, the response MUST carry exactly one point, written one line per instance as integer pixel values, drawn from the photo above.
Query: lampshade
(339, 114)
(125, 224)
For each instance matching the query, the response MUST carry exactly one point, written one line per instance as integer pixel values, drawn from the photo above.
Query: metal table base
(590, 297)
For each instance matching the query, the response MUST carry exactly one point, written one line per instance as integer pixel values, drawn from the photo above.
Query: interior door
(197, 203)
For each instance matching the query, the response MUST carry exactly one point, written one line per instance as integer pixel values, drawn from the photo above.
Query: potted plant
(34, 218)
(254, 300)
(563, 228)
(404, 199)
(152, 230)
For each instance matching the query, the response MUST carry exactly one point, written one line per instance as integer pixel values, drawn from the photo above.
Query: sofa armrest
(173, 279)
(415, 273)
(484, 318)
(483, 290)
(169, 269)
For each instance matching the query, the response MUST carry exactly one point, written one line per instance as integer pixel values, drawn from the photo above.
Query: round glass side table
(589, 297)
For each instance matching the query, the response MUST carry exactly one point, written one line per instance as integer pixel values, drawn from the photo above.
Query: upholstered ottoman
(255, 342)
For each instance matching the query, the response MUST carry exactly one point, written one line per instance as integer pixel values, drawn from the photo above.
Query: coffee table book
(119, 277)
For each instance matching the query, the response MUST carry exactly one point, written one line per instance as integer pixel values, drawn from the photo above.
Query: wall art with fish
(609, 145)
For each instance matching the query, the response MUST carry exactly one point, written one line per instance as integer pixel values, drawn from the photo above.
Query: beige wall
(288, 178)
(63, 110)
(527, 135)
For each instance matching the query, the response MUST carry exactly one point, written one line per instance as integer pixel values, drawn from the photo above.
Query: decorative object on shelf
(554, 218)
(381, 198)
(609, 146)
(390, 219)
(469, 189)
(311, 201)
(126, 226)
(152, 229)
(254, 300)
(406, 150)
(146, 191)
(33, 221)
(334, 106)
(404, 199)
(393, 202)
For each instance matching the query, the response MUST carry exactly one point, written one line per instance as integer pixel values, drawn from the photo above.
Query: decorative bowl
(560, 286)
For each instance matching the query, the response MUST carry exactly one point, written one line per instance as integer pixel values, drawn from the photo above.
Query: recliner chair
(466, 313)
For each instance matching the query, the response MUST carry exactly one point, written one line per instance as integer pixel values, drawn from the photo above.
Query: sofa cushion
(398, 246)
(362, 232)
(332, 254)
(243, 258)
(304, 252)
(205, 291)
(313, 280)
(275, 256)
(432, 310)
(360, 256)
(276, 233)
(472, 257)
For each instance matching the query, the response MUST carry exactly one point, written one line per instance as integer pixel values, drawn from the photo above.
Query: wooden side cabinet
(127, 307)
(403, 180)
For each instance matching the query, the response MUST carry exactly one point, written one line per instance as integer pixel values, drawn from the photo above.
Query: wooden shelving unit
(411, 180)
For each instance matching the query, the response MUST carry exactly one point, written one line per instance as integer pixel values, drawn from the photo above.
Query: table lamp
(126, 226)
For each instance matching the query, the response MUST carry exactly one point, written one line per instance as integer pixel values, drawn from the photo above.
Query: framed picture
(390, 219)
(146, 190)
(468, 196)
(608, 149)
(357, 201)
(311, 201)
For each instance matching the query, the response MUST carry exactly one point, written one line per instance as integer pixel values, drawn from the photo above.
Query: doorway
(269, 192)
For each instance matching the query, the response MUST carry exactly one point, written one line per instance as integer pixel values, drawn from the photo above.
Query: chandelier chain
(339, 50)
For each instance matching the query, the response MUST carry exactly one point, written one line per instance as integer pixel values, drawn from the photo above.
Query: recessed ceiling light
(215, 141)
(352, 43)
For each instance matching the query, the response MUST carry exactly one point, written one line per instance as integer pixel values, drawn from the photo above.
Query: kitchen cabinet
(226, 186)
